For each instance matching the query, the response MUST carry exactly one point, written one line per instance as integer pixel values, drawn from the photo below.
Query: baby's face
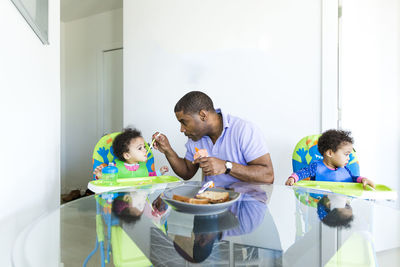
(341, 157)
(137, 151)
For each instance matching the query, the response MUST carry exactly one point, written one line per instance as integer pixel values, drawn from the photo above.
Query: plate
(198, 209)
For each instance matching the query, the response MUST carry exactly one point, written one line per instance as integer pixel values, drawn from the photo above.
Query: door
(112, 92)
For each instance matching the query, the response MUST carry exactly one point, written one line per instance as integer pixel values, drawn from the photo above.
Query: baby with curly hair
(131, 153)
(336, 147)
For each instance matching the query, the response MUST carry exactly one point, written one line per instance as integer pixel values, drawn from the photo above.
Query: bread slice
(214, 196)
(190, 200)
(198, 201)
(181, 198)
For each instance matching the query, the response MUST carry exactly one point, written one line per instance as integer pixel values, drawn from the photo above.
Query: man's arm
(259, 170)
(182, 167)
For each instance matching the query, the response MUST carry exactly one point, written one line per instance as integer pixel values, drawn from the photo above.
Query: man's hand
(290, 181)
(211, 166)
(161, 143)
(366, 182)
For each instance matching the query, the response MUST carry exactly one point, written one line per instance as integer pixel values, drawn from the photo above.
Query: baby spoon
(152, 142)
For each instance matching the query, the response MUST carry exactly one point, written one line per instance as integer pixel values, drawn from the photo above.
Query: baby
(335, 146)
(131, 152)
(335, 211)
(129, 207)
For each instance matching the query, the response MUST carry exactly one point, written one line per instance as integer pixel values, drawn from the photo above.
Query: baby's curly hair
(120, 209)
(121, 142)
(334, 217)
(333, 139)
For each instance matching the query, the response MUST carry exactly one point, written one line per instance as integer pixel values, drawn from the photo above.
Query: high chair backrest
(103, 153)
(306, 152)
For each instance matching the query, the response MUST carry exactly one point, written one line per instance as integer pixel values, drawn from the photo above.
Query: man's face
(191, 125)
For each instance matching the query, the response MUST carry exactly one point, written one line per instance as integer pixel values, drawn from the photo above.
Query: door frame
(100, 84)
(330, 91)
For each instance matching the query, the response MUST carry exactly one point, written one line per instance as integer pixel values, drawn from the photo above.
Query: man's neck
(216, 127)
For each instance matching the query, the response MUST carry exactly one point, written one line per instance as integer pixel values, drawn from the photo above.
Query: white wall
(371, 86)
(371, 98)
(30, 123)
(82, 42)
(259, 60)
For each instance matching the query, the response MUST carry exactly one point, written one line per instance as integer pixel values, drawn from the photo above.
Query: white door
(112, 95)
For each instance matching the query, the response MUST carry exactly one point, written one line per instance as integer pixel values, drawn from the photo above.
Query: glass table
(270, 225)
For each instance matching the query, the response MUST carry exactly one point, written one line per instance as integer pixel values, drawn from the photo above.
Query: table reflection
(267, 226)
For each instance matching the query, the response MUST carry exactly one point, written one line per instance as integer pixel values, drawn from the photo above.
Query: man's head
(193, 102)
(193, 111)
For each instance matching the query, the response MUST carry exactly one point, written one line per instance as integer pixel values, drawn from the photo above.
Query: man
(236, 148)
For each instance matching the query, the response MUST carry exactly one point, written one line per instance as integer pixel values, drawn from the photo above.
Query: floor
(389, 258)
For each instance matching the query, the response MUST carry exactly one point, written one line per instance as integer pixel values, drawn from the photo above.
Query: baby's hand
(366, 181)
(290, 181)
(98, 169)
(164, 169)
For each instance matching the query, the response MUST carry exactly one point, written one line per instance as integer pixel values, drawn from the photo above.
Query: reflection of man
(196, 248)
(236, 148)
(250, 209)
(198, 245)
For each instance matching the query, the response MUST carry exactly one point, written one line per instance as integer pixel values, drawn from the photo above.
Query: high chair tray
(100, 186)
(351, 189)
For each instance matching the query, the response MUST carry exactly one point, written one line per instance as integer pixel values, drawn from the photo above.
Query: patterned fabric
(318, 171)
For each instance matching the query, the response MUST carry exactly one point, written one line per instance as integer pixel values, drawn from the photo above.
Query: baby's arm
(360, 179)
(302, 174)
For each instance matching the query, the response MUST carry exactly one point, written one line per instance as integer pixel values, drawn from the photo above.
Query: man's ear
(329, 153)
(203, 114)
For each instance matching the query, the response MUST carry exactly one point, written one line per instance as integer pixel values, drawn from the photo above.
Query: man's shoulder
(235, 121)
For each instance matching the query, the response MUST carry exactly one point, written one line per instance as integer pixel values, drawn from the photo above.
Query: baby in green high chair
(335, 146)
(131, 153)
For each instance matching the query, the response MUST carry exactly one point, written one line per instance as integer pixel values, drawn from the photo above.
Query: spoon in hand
(152, 142)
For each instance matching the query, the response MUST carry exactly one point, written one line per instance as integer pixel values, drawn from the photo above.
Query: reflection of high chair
(306, 152)
(125, 252)
(103, 154)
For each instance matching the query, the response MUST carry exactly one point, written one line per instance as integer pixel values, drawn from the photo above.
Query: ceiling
(77, 9)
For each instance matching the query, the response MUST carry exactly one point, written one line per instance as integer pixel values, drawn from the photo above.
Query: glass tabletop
(269, 225)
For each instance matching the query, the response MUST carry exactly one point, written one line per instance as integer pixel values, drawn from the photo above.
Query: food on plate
(207, 197)
(200, 153)
(181, 198)
(198, 201)
(190, 199)
(214, 196)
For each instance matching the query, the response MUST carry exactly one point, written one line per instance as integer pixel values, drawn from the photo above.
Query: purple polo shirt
(240, 142)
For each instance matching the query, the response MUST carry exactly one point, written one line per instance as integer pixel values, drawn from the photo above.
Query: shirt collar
(225, 121)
